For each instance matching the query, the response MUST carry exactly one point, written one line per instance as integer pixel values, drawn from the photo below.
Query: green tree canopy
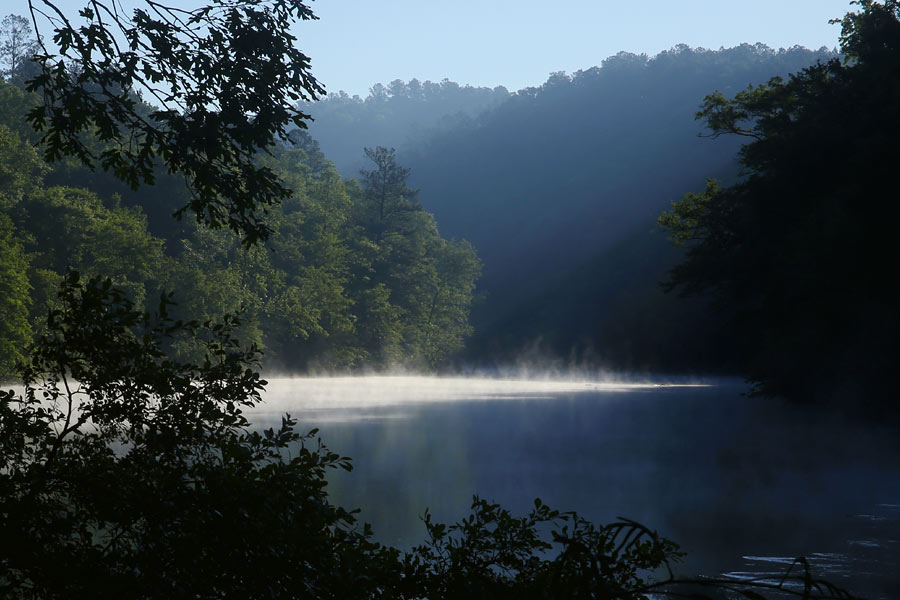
(334, 286)
(418, 310)
(15, 299)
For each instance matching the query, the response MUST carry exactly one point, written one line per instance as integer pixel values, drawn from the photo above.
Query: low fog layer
(320, 399)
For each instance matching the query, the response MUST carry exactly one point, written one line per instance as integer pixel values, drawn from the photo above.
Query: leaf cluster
(493, 554)
(225, 79)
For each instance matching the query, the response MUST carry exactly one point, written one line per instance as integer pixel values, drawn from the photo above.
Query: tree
(226, 79)
(17, 45)
(444, 322)
(387, 194)
(21, 169)
(800, 252)
(424, 284)
(15, 300)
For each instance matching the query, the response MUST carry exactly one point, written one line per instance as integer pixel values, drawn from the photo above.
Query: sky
(518, 43)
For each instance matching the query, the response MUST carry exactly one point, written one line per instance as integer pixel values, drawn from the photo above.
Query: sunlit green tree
(428, 280)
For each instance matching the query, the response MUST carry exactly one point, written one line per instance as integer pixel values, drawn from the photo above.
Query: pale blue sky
(517, 43)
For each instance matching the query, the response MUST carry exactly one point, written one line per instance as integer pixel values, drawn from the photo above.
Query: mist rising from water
(344, 398)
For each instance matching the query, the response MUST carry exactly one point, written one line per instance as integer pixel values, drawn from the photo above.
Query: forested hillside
(340, 282)
(559, 188)
(394, 115)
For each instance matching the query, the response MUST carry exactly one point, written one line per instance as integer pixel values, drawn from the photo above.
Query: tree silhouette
(800, 252)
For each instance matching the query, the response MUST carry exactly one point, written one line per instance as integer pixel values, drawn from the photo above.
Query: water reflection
(868, 565)
(734, 480)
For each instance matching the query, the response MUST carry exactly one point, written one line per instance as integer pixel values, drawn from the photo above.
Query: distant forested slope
(559, 187)
(394, 115)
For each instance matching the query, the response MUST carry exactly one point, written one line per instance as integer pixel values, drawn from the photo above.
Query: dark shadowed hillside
(610, 311)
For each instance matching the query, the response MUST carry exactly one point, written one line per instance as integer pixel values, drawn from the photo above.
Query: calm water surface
(742, 484)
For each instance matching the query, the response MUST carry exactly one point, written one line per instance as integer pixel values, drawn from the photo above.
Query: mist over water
(350, 398)
(742, 484)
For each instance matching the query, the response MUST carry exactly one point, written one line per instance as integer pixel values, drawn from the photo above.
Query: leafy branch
(226, 80)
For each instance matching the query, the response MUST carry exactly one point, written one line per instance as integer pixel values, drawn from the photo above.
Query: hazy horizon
(517, 45)
(357, 44)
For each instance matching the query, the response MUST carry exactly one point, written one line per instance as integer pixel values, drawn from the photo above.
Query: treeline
(354, 273)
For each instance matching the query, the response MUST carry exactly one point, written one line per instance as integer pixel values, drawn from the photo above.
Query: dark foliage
(800, 253)
(128, 474)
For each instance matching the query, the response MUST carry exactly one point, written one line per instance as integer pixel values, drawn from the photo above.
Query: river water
(743, 485)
